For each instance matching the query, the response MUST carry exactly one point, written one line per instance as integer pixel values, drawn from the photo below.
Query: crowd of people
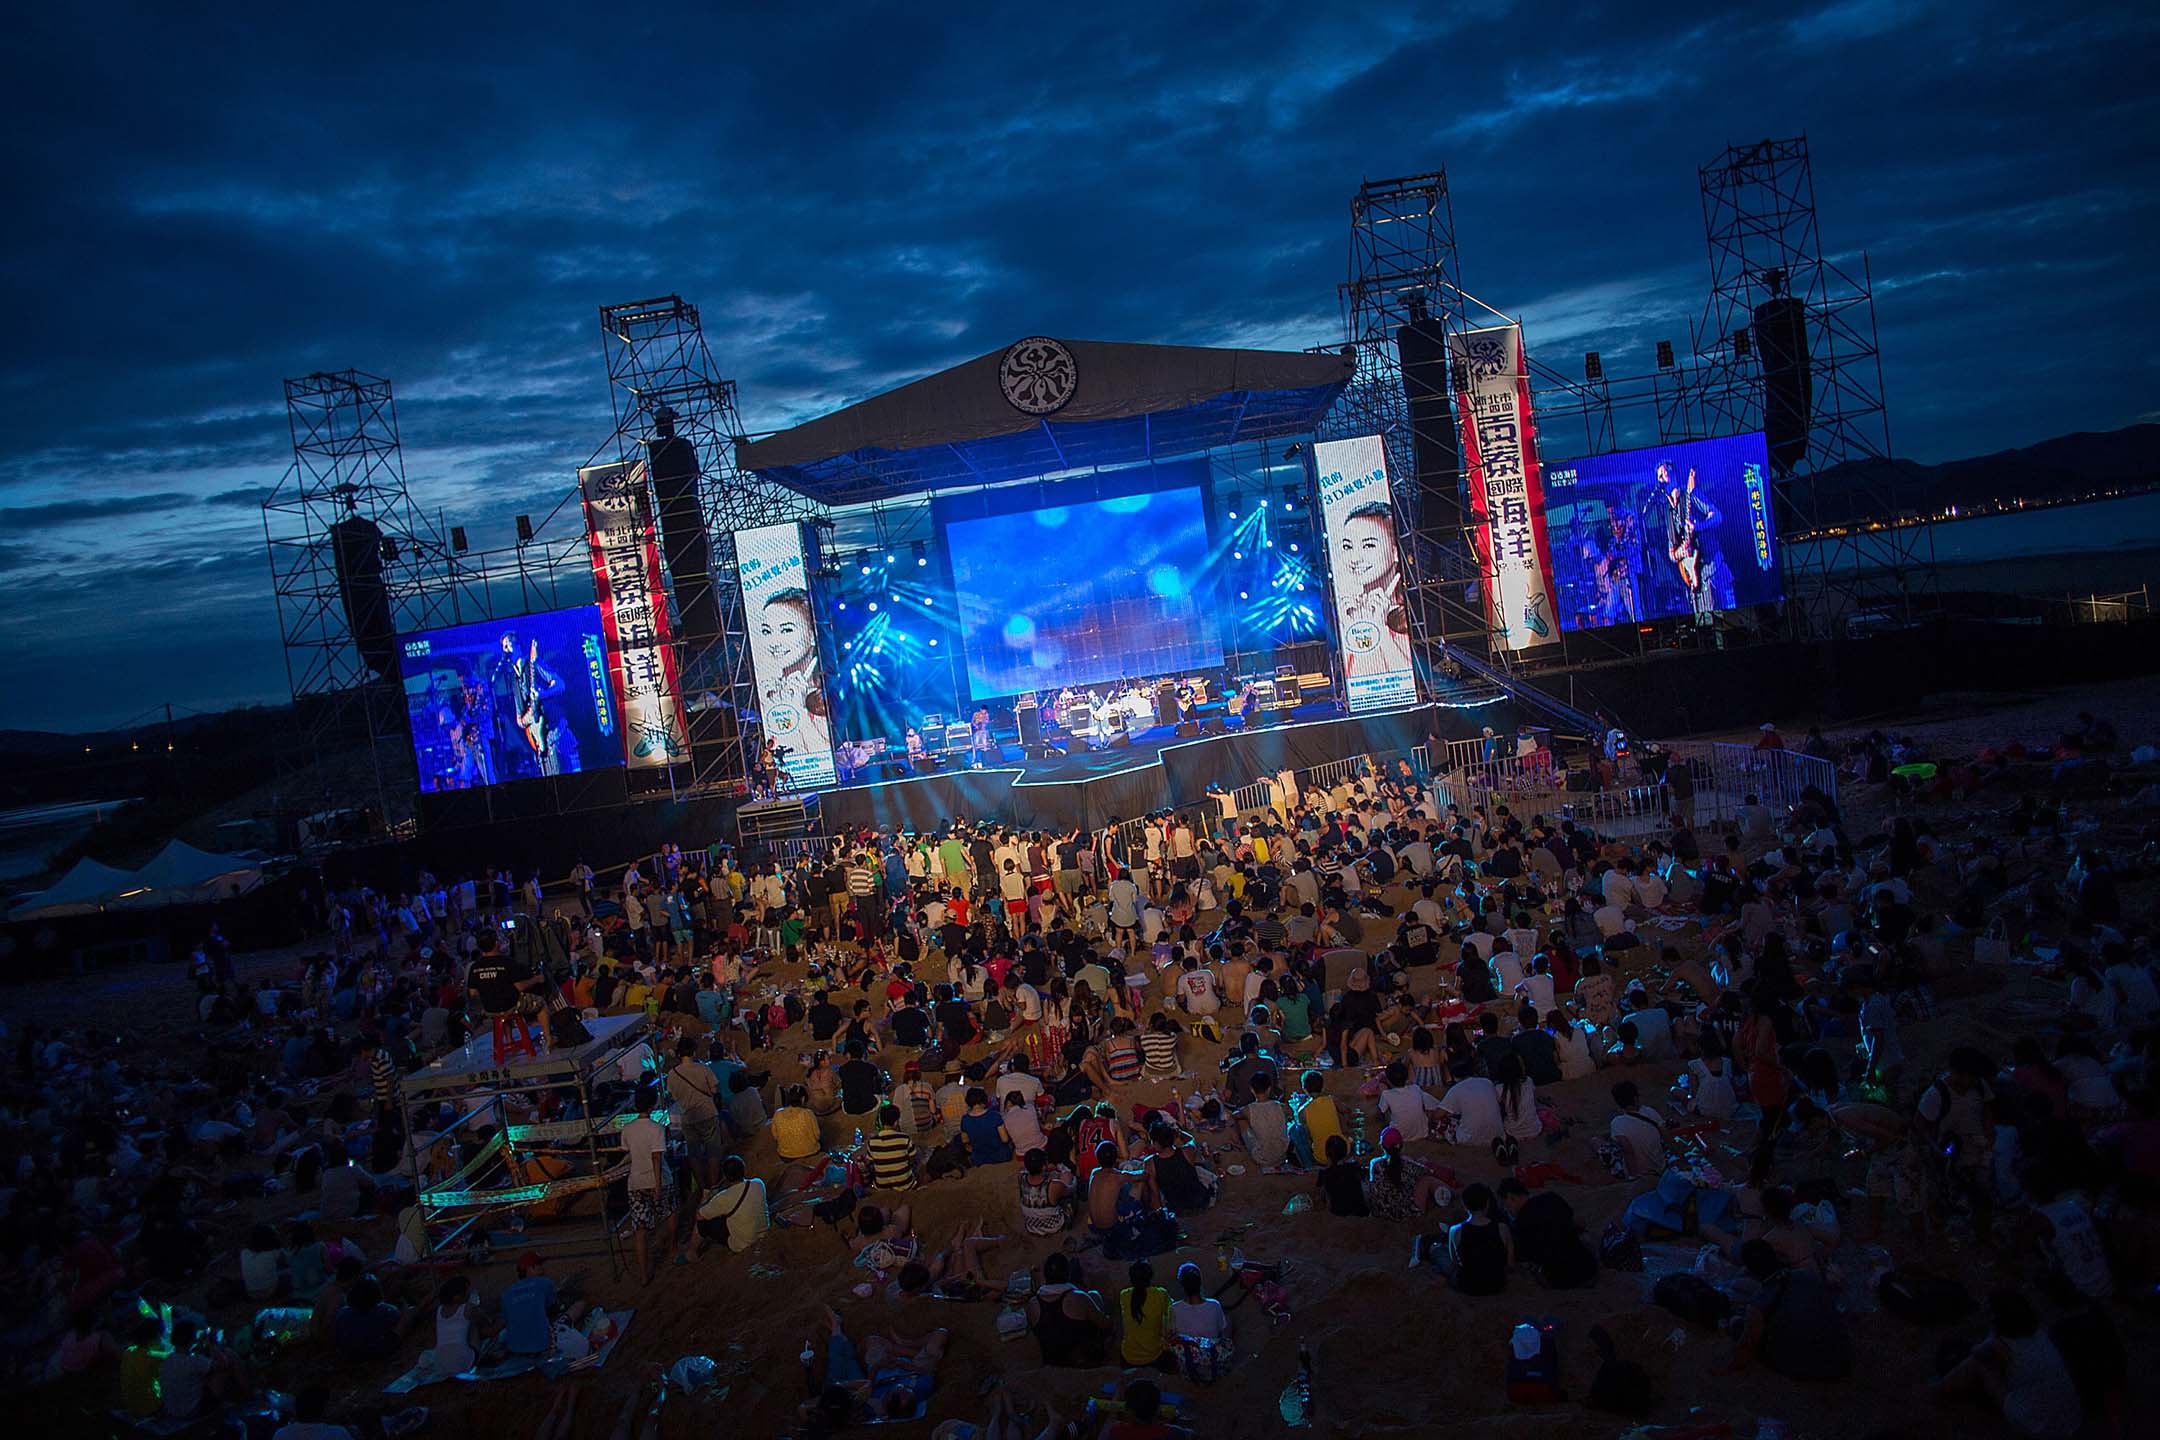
(1392, 990)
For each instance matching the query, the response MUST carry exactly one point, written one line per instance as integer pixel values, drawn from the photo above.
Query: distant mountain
(2069, 467)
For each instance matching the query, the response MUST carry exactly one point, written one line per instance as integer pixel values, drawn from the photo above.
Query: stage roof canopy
(1128, 404)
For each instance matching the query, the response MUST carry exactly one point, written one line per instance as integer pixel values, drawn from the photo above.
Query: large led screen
(510, 699)
(1656, 534)
(1085, 593)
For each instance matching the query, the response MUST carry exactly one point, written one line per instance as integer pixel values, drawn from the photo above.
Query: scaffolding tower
(354, 564)
(1404, 290)
(663, 382)
(1787, 344)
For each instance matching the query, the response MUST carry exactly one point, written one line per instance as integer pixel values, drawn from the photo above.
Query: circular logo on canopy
(1038, 376)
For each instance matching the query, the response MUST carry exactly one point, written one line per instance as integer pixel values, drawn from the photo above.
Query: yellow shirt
(795, 1131)
(139, 1378)
(1259, 849)
(633, 998)
(1147, 1337)
(1321, 1119)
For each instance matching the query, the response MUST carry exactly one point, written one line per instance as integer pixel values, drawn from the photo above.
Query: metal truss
(349, 747)
(1850, 551)
(1403, 272)
(661, 376)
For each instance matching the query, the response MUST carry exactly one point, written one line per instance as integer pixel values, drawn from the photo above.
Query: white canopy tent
(180, 875)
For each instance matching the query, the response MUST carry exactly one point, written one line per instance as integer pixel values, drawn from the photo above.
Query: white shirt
(1643, 1141)
(1404, 1107)
(643, 1142)
(1475, 1104)
(1539, 989)
(1197, 987)
(1619, 889)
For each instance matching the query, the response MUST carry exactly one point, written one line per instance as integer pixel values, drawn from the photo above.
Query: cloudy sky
(206, 203)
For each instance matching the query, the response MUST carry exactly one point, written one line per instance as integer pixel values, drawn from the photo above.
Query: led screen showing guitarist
(1691, 543)
(540, 718)
(492, 703)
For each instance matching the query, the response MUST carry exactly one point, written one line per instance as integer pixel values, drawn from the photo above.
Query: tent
(84, 890)
(180, 875)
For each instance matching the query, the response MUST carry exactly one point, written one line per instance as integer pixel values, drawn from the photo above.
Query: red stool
(524, 1036)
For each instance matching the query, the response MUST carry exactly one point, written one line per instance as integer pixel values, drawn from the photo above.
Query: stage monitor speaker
(1582, 779)
(1166, 703)
(1030, 720)
(1781, 340)
(674, 465)
(357, 547)
(1213, 725)
(1188, 729)
(1435, 444)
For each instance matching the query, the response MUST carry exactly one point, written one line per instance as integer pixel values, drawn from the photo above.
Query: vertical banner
(634, 614)
(1364, 549)
(1507, 494)
(782, 623)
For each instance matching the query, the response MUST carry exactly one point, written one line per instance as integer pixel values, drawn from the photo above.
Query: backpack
(776, 1016)
(1619, 1249)
(951, 1158)
(1692, 1298)
(1536, 1379)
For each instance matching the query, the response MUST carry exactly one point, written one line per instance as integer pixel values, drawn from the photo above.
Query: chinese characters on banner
(1372, 615)
(1507, 495)
(633, 612)
(784, 657)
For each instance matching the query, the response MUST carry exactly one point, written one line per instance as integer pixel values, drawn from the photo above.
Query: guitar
(528, 721)
(1687, 554)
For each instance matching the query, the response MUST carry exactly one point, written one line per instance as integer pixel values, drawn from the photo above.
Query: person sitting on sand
(1069, 1323)
(890, 1378)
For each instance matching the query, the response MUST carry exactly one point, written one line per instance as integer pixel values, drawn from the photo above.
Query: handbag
(1992, 945)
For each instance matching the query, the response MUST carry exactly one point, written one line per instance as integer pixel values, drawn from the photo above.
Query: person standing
(651, 1189)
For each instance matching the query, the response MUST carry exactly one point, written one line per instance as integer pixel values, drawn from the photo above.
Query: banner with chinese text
(634, 615)
(1507, 494)
(1364, 550)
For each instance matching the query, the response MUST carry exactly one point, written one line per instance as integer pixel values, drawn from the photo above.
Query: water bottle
(1357, 1144)
(858, 1137)
(809, 1369)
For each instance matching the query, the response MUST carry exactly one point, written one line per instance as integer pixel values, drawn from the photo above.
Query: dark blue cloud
(857, 195)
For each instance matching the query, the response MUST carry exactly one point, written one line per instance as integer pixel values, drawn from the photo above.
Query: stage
(1159, 771)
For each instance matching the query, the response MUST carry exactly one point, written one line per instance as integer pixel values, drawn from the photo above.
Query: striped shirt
(892, 1160)
(383, 1076)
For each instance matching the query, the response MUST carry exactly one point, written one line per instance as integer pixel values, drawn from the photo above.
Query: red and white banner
(633, 613)
(1507, 493)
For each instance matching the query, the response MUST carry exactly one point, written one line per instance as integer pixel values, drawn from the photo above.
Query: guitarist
(1691, 543)
(539, 715)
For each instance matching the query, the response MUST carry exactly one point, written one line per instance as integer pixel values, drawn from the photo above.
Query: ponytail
(1142, 1276)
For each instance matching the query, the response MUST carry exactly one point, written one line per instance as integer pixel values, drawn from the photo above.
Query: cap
(913, 1067)
(1767, 725)
(531, 1260)
(1390, 1136)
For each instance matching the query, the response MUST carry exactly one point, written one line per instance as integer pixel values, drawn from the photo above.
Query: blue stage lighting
(873, 607)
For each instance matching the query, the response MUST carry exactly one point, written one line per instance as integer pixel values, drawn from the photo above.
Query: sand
(1397, 1353)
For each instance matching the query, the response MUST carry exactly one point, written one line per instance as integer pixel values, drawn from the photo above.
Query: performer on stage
(1691, 544)
(464, 718)
(979, 742)
(914, 746)
(511, 752)
(1374, 611)
(540, 715)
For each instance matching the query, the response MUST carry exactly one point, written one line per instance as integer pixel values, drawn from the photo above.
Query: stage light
(1243, 596)
(888, 559)
(524, 529)
(843, 604)
(873, 607)
(1664, 355)
(933, 642)
(1593, 368)
(1267, 544)
(1237, 555)
(1233, 514)
(1293, 547)
(865, 569)
(1263, 504)
(921, 555)
(389, 545)
(457, 539)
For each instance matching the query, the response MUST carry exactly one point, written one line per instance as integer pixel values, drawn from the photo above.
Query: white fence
(1643, 799)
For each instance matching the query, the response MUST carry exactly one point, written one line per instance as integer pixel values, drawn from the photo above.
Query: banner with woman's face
(1372, 614)
(782, 621)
